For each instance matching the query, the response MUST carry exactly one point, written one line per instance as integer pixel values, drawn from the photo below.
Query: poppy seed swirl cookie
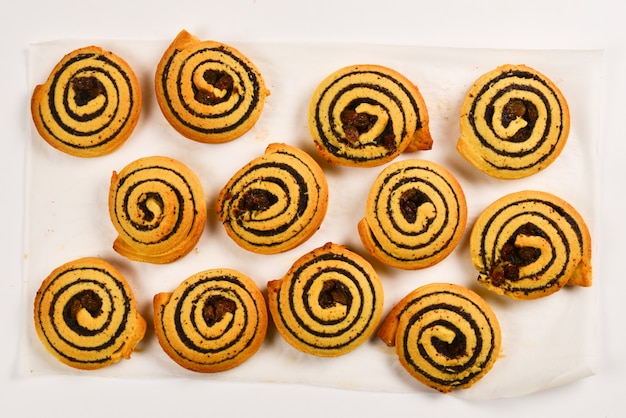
(208, 91)
(514, 122)
(415, 215)
(89, 105)
(86, 315)
(529, 244)
(157, 206)
(275, 202)
(366, 115)
(214, 320)
(445, 336)
(329, 302)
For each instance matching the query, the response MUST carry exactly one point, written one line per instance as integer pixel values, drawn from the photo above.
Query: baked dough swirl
(445, 335)
(366, 115)
(415, 215)
(85, 314)
(275, 202)
(157, 206)
(530, 244)
(208, 91)
(214, 320)
(89, 105)
(514, 122)
(329, 302)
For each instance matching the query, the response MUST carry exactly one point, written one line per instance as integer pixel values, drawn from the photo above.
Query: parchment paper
(546, 342)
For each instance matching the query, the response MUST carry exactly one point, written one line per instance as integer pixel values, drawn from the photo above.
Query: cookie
(366, 115)
(445, 336)
(86, 315)
(514, 122)
(415, 215)
(328, 303)
(212, 322)
(208, 91)
(157, 206)
(89, 105)
(275, 202)
(530, 244)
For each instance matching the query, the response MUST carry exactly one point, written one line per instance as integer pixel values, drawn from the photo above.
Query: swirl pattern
(89, 105)
(275, 202)
(415, 215)
(530, 244)
(514, 122)
(158, 209)
(366, 115)
(214, 321)
(445, 335)
(208, 91)
(328, 303)
(85, 315)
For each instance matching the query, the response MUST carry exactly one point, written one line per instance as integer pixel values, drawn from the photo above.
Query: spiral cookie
(275, 202)
(445, 335)
(85, 314)
(415, 215)
(89, 105)
(529, 244)
(157, 207)
(514, 122)
(214, 321)
(365, 115)
(329, 302)
(208, 91)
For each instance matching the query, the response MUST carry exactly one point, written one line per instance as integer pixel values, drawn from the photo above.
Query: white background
(476, 24)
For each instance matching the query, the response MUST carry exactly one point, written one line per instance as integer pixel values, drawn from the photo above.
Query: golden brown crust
(157, 206)
(415, 215)
(530, 244)
(514, 122)
(89, 105)
(214, 321)
(208, 91)
(86, 316)
(445, 335)
(275, 202)
(366, 115)
(329, 302)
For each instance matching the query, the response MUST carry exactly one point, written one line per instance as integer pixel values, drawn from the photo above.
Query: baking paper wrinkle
(545, 343)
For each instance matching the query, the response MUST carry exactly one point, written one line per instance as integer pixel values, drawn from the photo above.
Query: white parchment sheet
(546, 342)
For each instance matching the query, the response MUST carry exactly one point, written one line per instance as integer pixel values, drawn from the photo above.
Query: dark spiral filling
(410, 202)
(463, 373)
(86, 93)
(251, 198)
(136, 225)
(328, 300)
(388, 141)
(188, 330)
(77, 298)
(244, 72)
(513, 109)
(508, 259)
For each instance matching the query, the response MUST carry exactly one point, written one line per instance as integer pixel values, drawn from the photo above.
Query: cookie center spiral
(334, 292)
(451, 344)
(216, 308)
(215, 87)
(255, 200)
(518, 119)
(364, 122)
(151, 206)
(414, 205)
(522, 249)
(81, 308)
(86, 89)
